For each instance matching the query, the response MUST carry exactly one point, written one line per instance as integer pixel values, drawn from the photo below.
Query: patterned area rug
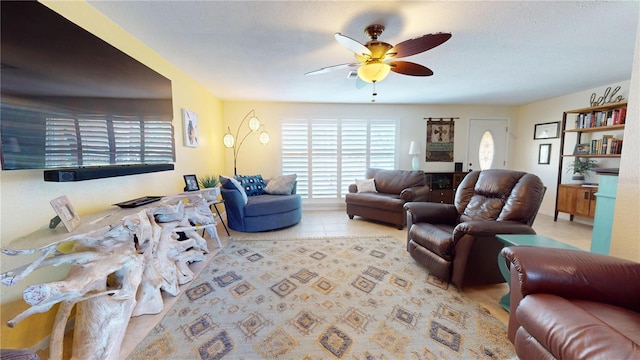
(337, 298)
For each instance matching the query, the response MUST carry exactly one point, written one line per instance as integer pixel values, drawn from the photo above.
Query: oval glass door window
(486, 151)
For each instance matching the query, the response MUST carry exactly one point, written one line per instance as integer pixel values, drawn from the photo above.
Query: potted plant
(580, 168)
(210, 182)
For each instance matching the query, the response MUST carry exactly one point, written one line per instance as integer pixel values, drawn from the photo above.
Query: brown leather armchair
(457, 242)
(570, 304)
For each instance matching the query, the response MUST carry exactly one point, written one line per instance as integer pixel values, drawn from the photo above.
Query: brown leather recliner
(394, 188)
(571, 304)
(457, 242)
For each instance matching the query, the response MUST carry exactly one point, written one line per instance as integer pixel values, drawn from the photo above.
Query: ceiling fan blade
(352, 45)
(418, 45)
(327, 69)
(409, 68)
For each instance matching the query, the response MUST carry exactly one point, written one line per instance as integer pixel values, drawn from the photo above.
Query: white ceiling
(500, 53)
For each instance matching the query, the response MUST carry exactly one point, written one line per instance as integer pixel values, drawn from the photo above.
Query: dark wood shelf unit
(575, 199)
(443, 185)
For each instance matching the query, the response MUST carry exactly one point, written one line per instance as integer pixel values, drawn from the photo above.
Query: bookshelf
(587, 133)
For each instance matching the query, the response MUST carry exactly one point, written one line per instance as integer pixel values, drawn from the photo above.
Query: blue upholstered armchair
(277, 208)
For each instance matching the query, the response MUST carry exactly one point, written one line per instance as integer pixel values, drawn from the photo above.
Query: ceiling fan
(376, 58)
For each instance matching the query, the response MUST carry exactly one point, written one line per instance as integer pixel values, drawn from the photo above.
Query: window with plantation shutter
(157, 135)
(61, 142)
(108, 140)
(94, 142)
(329, 154)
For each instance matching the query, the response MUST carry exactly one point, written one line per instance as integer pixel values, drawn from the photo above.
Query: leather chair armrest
(435, 213)
(416, 193)
(491, 228)
(575, 274)
(353, 188)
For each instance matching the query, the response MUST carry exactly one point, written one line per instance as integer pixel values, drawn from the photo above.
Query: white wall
(550, 110)
(625, 237)
(255, 158)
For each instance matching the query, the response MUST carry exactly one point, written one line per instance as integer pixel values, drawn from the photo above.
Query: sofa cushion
(378, 200)
(271, 204)
(233, 184)
(252, 184)
(366, 185)
(281, 185)
(394, 181)
(437, 238)
(579, 329)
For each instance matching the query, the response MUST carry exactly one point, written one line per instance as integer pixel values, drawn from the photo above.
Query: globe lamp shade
(374, 71)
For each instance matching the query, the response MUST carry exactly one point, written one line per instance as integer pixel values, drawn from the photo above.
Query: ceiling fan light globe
(374, 72)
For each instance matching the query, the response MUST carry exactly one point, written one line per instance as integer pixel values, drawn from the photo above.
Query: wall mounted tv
(70, 100)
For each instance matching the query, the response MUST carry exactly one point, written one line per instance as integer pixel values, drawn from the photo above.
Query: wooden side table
(523, 240)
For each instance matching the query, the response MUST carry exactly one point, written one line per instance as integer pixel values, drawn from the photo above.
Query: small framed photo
(582, 149)
(546, 131)
(544, 154)
(190, 126)
(65, 212)
(191, 182)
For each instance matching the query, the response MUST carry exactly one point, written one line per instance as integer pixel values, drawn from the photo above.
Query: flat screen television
(70, 100)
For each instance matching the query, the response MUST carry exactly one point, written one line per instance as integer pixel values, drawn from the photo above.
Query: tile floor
(337, 223)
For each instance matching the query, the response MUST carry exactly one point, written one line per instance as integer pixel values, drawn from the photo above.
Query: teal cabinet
(603, 220)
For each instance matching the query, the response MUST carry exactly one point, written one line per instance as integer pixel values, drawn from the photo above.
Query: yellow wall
(24, 204)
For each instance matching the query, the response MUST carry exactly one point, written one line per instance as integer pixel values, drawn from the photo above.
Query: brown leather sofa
(394, 188)
(457, 242)
(570, 304)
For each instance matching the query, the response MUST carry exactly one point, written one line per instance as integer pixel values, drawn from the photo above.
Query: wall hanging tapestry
(356, 298)
(440, 133)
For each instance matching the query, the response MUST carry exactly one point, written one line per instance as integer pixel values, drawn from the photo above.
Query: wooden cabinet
(594, 132)
(575, 199)
(443, 185)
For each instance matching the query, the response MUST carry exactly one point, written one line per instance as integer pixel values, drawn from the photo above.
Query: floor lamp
(414, 149)
(231, 142)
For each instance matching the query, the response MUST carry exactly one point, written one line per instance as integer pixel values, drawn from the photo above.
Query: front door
(487, 144)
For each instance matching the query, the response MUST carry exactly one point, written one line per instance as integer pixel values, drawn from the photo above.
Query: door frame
(506, 139)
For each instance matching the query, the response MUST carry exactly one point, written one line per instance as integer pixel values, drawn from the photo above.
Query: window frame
(344, 177)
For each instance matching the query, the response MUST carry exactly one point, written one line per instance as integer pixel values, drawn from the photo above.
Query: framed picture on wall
(546, 131)
(544, 154)
(190, 126)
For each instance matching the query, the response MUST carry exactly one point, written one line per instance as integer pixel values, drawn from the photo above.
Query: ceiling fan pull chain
(373, 96)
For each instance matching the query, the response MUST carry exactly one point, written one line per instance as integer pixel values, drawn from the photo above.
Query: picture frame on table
(191, 183)
(582, 149)
(549, 130)
(544, 154)
(66, 213)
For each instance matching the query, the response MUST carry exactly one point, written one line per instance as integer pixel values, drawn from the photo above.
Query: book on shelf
(608, 145)
(601, 118)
